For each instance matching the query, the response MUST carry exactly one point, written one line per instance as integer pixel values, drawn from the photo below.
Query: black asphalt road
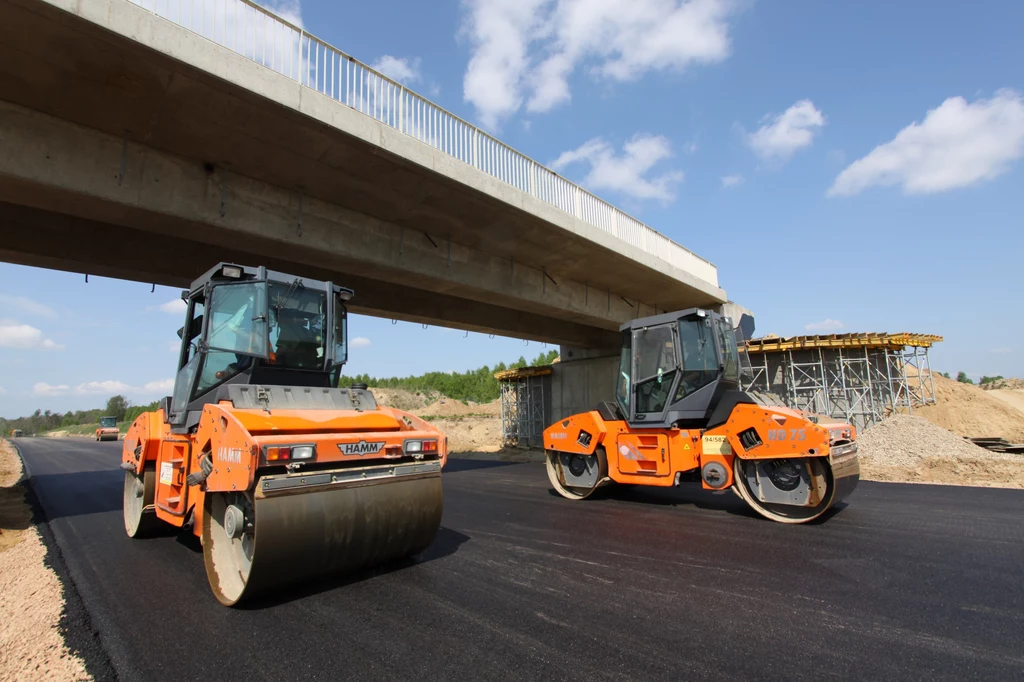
(906, 582)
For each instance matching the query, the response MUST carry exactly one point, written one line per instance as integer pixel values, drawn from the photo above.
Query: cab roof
(259, 273)
(664, 318)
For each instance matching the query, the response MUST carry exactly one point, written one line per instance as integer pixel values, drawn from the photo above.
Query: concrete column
(581, 379)
(740, 316)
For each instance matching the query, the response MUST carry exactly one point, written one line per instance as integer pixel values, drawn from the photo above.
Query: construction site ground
(928, 447)
(522, 584)
(32, 603)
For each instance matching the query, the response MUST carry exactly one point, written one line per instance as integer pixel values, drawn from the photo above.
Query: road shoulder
(46, 631)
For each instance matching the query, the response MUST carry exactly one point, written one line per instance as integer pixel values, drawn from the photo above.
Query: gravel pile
(912, 449)
(904, 440)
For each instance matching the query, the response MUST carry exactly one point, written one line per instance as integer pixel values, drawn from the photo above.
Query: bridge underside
(123, 160)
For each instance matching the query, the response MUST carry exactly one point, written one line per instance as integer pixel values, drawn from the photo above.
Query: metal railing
(262, 36)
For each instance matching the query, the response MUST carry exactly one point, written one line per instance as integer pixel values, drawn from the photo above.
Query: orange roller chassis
(654, 456)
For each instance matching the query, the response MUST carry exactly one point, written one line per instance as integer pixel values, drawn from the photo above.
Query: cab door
(643, 454)
(655, 371)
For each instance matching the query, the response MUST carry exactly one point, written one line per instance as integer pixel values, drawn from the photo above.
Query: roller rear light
(421, 447)
(289, 453)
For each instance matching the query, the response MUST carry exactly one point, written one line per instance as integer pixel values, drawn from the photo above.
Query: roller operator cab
(282, 475)
(679, 414)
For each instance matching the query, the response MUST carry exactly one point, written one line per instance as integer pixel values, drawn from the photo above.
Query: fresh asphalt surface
(908, 582)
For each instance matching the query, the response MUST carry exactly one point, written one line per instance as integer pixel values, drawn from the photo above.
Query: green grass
(457, 417)
(86, 429)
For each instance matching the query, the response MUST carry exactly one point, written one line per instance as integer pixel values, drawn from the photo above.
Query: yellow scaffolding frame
(776, 344)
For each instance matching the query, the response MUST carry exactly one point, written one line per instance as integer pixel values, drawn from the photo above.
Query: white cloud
(26, 305)
(173, 307)
(108, 387)
(2, 390)
(174, 346)
(732, 180)
(958, 144)
(16, 335)
(102, 387)
(526, 50)
(1002, 351)
(405, 71)
(826, 325)
(359, 342)
(783, 134)
(48, 390)
(163, 386)
(625, 173)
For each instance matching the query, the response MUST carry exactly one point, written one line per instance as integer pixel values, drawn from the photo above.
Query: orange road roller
(679, 414)
(281, 474)
(107, 430)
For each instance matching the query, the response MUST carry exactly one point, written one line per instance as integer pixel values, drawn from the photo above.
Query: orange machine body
(654, 457)
(234, 442)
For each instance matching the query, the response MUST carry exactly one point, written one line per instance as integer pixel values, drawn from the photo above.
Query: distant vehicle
(108, 429)
(16, 433)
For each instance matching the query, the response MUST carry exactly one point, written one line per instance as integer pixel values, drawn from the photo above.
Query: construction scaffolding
(859, 378)
(524, 393)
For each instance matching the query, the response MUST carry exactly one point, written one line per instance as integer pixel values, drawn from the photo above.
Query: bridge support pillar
(581, 379)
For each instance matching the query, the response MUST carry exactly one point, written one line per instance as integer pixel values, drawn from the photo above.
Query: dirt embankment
(470, 427)
(31, 596)
(1013, 397)
(969, 411)
(912, 449)
(1005, 384)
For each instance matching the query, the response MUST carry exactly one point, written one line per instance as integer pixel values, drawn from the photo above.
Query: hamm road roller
(107, 430)
(281, 474)
(679, 414)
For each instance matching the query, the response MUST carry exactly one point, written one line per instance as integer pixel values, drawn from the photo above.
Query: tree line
(44, 420)
(964, 379)
(475, 385)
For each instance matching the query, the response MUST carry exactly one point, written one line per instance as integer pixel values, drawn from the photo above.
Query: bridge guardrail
(261, 35)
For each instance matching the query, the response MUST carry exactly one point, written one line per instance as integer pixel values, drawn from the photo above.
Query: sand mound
(400, 399)
(446, 407)
(1012, 397)
(912, 449)
(471, 434)
(969, 411)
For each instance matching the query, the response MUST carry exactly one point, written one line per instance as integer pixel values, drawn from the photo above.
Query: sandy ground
(31, 596)
(969, 411)
(471, 434)
(913, 450)
(1010, 396)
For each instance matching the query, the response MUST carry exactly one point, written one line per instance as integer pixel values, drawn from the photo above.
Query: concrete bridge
(146, 146)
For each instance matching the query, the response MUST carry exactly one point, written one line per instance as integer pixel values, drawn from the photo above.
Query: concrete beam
(109, 250)
(112, 66)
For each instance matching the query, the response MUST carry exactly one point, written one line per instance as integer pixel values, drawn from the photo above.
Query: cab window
(656, 368)
(730, 351)
(625, 372)
(298, 338)
(700, 362)
(237, 321)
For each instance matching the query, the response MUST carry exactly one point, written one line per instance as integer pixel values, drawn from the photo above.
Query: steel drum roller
(289, 535)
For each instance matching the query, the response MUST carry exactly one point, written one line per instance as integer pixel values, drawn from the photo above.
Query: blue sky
(847, 166)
